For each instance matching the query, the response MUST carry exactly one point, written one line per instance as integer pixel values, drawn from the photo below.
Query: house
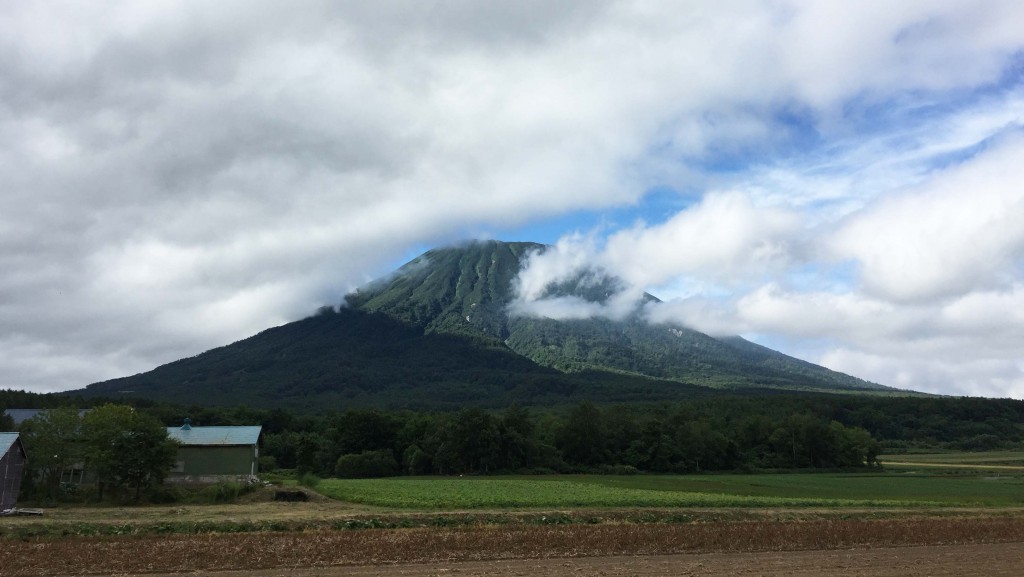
(214, 454)
(12, 464)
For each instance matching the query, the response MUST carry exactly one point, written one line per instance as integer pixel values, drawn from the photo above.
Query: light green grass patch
(1000, 458)
(601, 491)
(894, 489)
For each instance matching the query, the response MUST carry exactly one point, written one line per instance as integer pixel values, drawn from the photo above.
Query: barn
(215, 454)
(12, 464)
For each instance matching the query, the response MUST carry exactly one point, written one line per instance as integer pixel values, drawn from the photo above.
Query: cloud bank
(180, 175)
(921, 288)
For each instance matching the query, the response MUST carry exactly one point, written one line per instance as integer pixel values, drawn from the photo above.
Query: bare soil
(835, 547)
(990, 560)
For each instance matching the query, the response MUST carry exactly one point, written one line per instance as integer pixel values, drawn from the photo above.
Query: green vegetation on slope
(467, 290)
(459, 290)
(349, 359)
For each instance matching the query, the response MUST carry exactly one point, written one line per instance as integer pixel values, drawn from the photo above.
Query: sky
(842, 181)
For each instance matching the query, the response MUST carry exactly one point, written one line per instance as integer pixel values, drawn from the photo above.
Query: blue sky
(839, 180)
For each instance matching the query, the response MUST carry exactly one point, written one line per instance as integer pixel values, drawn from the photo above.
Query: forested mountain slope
(468, 289)
(438, 334)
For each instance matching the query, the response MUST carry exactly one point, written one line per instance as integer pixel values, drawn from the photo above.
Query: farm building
(12, 464)
(213, 454)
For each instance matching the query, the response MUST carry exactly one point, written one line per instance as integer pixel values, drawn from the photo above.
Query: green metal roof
(7, 440)
(188, 435)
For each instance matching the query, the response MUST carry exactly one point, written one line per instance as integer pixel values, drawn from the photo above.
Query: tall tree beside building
(127, 449)
(54, 439)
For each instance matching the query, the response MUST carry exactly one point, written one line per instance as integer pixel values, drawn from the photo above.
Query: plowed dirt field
(989, 560)
(990, 546)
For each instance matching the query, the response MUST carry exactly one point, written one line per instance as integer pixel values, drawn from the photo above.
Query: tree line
(587, 438)
(728, 432)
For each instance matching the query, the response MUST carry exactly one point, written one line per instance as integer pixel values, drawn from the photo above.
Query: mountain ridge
(437, 334)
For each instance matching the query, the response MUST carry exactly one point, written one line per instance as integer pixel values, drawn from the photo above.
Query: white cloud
(934, 302)
(957, 233)
(239, 163)
(1001, 378)
(723, 238)
(574, 260)
(570, 256)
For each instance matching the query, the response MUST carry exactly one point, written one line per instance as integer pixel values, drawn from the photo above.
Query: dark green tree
(53, 439)
(309, 450)
(468, 442)
(365, 465)
(6, 422)
(146, 456)
(127, 449)
(582, 437)
(518, 447)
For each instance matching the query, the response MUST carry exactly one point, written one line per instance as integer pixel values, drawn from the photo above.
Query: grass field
(937, 485)
(910, 489)
(956, 460)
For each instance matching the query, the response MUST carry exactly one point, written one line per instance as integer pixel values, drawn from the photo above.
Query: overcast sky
(842, 181)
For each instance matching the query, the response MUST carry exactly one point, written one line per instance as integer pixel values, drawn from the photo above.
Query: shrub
(617, 470)
(367, 464)
(164, 494)
(309, 480)
(267, 464)
(222, 492)
(981, 443)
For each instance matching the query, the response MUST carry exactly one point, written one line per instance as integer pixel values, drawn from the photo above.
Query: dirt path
(990, 560)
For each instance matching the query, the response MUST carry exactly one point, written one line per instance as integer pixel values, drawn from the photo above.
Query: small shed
(12, 465)
(214, 454)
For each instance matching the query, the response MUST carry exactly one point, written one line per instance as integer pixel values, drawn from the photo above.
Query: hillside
(437, 335)
(466, 290)
(349, 358)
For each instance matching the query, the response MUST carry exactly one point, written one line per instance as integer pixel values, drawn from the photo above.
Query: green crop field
(762, 490)
(959, 458)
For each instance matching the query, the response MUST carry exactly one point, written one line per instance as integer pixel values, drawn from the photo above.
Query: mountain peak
(471, 290)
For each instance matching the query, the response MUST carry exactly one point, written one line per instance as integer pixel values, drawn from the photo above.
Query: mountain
(437, 334)
(467, 290)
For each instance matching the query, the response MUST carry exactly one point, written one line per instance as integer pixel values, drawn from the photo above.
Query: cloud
(723, 239)
(181, 174)
(955, 234)
(551, 281)
(999, 378)
(919, 288)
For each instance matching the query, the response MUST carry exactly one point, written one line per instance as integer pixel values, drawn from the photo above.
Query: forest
(731, 432)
